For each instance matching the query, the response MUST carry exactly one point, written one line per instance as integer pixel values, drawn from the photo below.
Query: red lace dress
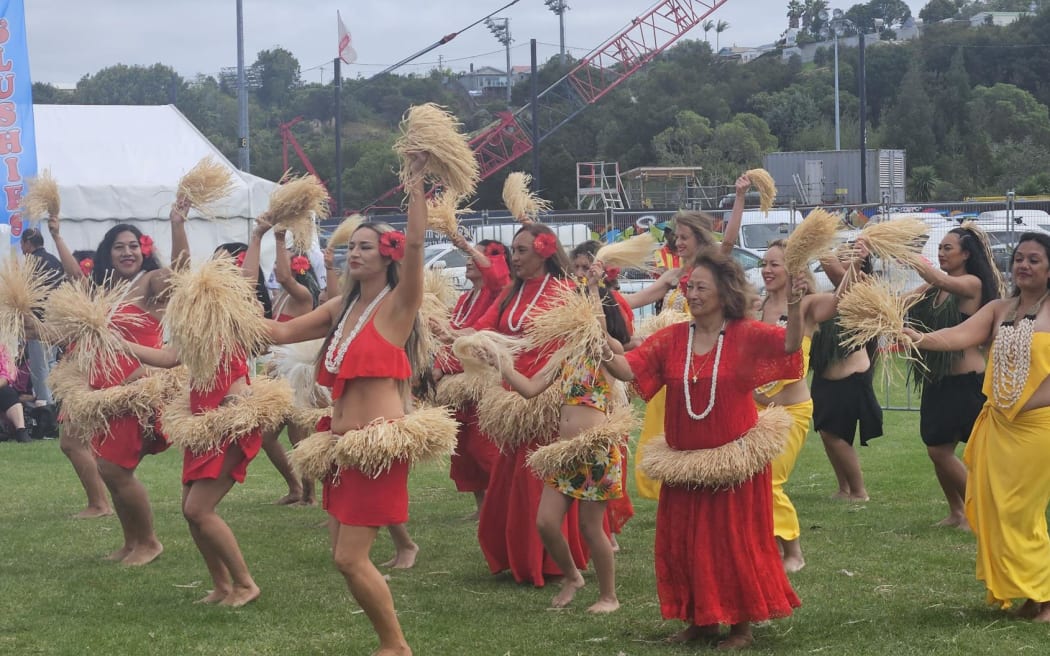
(125, 443)
(716, 557)
(351, 497)
(208, 465)
(507, 529)
(475, 454)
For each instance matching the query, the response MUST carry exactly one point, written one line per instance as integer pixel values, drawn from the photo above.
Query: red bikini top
(370, 355)
(144, 330)
(236, 369)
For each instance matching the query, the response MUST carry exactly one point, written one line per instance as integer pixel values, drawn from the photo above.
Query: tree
(130, 85)
(722, 26)
(708, 25)
(47, 94)
(683, 143)
(922, 183)
(278, 73)
(938, 10)
(1008, 113)
(908, 122)
(795, 10)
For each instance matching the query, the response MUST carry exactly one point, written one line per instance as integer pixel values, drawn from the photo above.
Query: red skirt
(354, 499)
(475, 454)
(125, 444)
(507, 529)
(620, 510)
(208, 465)
(716, 557)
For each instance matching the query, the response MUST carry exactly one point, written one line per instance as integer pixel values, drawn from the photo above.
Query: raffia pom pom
(450, 163)
(264, 407)
(456, 390)
(213, 316)
(898, 239)
(297, 364)
(82, 312)
(41, 199)
(634, 253)
(425, 434)
(814, 237)
(314, 457)
(295, 204)
(871, 310)
(519, 198)
(23, 293)
(207, 183)
(511, 420)
(766, 186)
(655, 323)
(475, 350)
(305, 418)
(725, 466)
(569, 454)
(345, 230)
(567, 329)
(443, 213)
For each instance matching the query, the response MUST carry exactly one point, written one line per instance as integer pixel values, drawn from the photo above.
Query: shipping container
(833, 176)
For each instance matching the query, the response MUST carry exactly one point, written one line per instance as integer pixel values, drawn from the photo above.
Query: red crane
(598, 73)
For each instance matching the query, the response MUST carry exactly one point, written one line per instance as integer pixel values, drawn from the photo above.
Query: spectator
(41, 357)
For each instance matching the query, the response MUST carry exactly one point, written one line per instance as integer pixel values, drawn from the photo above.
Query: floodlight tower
(559, 7)
(500, 28)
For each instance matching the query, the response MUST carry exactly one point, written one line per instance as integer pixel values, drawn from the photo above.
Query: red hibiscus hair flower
(87, 265)
(240, 259)
(300, 265)
(392, 245)
(146, 245)
(545, 244)
(495, 250)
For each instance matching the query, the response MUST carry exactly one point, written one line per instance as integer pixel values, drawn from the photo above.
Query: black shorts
(839, 405)
(8, 397)
(949, 408)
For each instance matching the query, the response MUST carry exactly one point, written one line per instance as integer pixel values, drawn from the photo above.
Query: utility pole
(559, 7)
(500, 28)
(242, 95)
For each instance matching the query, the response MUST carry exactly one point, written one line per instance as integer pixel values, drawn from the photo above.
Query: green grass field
(879, 580)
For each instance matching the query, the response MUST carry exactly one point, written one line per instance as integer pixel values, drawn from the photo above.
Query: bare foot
(1028, 610)
(241, 596)
(143, 554)
(472, 517)
(955, 521)
(693, 632)
(92, 513)
(307, 501)
(863, 496)
(396, 651)
(793, 564)
(214, 597)
(736, 641)
(289, 499)
(841, 495)
(605, 606)
(1043, 617)
(119, 554)
(404, 558)
(569, 586)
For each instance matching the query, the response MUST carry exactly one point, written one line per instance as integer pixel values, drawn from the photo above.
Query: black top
(51, 266)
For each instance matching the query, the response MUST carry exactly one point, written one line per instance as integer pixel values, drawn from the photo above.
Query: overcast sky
(72, 38)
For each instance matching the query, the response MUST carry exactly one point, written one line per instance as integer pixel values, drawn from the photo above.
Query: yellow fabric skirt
(785, 519)
(652, 425)
(1007, 493)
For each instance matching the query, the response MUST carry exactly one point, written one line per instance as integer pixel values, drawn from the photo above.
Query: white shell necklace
(337, 348)
(1012, 355)
(714, 372)
(464, 311)
(528, 308)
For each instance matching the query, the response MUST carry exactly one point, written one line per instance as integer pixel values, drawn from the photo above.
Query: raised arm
(250, 266)
(165, 358)
(333, 277)
(968, 286)
(408, 295)
(282, 271)
(180, 243)
(975, 331)
(732, 229)
(795, 327)
(480, 259)
(69, 263)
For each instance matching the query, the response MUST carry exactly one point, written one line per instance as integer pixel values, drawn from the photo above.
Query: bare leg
(951, 474)
(739, 637)
(220, 576)
(350, 549)
(591, 515)
(136, 517)
(479, 498)
(83, 461)
(405, 550)
(214, 538)
(844, 461)
(549, 517)
(791, 553)
(1028, 610)
(275, 452)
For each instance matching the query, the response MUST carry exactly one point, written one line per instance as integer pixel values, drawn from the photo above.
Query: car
(448, 259)
(1027, 218)
(758, 229)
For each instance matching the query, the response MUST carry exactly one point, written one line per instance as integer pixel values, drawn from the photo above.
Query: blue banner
(17, 136)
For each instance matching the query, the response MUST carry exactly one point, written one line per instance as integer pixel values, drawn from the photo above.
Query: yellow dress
(1008, 458)
(785, 518)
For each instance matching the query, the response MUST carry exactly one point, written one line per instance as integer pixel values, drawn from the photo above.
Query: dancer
(716, 559)
(125, 254)
(507, 526)
(1007, 456)
(370, 353)
(951, 381)
(488, 270)
(843, 390)
(692, 233)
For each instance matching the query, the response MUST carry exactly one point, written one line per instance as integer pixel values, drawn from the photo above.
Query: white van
(757, 229)
(1030, 218)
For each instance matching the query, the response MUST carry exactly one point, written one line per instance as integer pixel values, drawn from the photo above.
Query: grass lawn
(879, 580)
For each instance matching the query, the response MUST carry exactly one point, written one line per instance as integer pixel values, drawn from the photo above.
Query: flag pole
(338, 84)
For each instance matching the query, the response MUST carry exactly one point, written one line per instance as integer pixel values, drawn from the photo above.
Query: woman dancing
(1008, 454)
(716, 559)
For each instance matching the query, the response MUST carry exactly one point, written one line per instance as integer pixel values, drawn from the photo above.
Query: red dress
(716, 557)
(208, 465)
(351, 497)
(124, 443)
(507, 529)
(475, 454)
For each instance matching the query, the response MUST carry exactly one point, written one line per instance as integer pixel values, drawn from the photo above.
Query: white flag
(346, 51)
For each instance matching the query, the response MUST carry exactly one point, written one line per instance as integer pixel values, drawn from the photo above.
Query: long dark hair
(1041, 239)
(235, 248)
(309, 280)
(102, 274)
(557, 265)
(979, 263)
(615, 323)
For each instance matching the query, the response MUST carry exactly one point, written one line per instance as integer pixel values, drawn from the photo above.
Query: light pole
(835, 26)
(500, 28)
(559, 7)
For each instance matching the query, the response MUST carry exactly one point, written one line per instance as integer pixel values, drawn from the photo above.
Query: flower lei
(240, 259)
(301, 264)
(87, 265)
(146, 245)
(545, 244)
(392, 245)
